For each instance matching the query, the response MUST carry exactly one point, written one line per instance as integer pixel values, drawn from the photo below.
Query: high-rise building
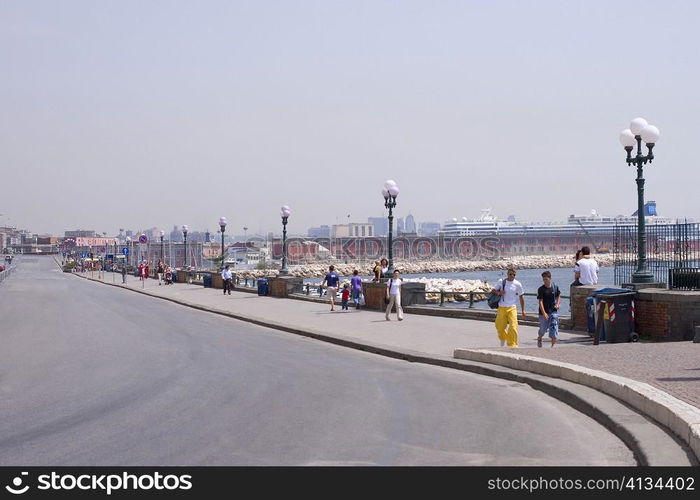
(410, 224)
(381, 225)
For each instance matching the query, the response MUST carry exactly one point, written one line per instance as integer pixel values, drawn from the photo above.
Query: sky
(139, 114)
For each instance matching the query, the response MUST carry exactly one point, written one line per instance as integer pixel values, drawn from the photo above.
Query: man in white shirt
(510, 291)
(587, 268)
(228, 280)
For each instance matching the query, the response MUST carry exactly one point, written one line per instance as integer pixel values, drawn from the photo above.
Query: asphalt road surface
(95, 375)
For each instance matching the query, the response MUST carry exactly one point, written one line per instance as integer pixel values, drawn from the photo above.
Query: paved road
(94, 375)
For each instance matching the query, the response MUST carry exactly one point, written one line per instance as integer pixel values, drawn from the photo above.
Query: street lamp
(162, 254)
(640, 131)
(284, 213)
(390, 192)
(222, 224)
(184, 234)
(128, 246)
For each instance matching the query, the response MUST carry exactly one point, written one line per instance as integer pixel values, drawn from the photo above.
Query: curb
(641, 436)
(681, 418)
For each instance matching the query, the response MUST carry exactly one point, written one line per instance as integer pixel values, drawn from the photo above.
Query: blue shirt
(332, 279)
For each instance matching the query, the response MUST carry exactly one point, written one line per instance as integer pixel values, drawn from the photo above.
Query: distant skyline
(140, 114)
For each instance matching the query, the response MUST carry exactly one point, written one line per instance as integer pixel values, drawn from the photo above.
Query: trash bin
(206, 279)
(618, 314)
(263, 287)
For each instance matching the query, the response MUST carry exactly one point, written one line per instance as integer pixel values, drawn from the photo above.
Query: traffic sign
(83, 255)
(143, 238)
(125, 251)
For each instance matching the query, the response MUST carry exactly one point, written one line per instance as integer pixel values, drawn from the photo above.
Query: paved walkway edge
(672, 413)
(642, 439)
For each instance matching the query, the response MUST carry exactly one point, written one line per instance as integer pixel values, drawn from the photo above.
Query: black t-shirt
(548, 296)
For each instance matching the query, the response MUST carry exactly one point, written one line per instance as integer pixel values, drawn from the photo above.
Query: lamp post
(128, 246)
(390, 192)
(284, 213)
(222, 225)
(184, 235)
(640, 131)
(162, 255)
(245, 237)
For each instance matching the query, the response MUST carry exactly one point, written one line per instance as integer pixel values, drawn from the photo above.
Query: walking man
(510, 290)
(331, 280)
(393, 293)
(549, 299)
(587, 268)
(228, 279)
(160, 270)
(124, 274)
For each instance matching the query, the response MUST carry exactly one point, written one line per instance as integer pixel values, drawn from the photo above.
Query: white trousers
(394, 300)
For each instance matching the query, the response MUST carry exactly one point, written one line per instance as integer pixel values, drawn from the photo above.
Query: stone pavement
(673, 368)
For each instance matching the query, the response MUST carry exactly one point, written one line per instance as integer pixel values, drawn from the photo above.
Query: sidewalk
(662, 380)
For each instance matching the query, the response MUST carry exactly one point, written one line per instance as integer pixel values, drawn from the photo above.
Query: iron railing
(673, 253)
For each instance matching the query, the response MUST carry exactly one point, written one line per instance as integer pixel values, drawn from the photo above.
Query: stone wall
(282, 286)
(578, 295)
(667, 314)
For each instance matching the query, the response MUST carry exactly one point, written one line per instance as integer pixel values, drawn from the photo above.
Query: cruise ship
(592, 224)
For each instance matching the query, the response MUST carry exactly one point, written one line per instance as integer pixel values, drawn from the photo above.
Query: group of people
(163, 272)
(353, 289)
(548, 298)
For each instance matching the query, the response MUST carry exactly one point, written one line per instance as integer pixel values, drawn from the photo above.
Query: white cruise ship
(487, 224)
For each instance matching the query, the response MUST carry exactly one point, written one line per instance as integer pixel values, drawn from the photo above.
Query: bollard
(471, 299)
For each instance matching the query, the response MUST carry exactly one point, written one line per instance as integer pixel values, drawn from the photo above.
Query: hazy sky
(153, 113)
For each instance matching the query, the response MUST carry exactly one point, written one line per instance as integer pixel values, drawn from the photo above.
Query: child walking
(549, 298)
(345, 297)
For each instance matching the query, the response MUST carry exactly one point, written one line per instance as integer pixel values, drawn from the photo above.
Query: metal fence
(673, 253)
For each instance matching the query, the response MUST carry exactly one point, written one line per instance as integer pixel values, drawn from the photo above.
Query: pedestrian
(124, 274)
(345, 297)
(376, 271)
(393, 294)
(549, 299)
(141, 271)
(168, 275)
(577, 257)
(385, 268)
(160, 270)
(146, 270)
(587, 272)
(510, 290)
(331, 281)
(228, 279)
(356, 284)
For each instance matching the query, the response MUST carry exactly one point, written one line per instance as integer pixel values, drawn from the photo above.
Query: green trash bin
(618, 317)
